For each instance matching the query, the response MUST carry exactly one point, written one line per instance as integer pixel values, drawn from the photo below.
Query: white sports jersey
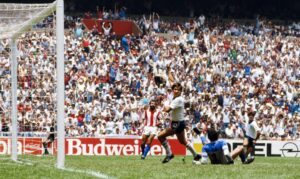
(252, 129)
(177, 106)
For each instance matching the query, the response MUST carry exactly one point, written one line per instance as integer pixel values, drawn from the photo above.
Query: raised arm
(179, 28)
(170, 75)
(157, 16)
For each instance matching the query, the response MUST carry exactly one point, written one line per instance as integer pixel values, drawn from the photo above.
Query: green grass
(133, 167)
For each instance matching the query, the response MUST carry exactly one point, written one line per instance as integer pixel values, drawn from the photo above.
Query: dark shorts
(217, 157)
(178, 126)
(250, 141)
(51, 139)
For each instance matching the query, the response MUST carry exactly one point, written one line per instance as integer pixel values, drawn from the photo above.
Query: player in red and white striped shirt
(151, 118)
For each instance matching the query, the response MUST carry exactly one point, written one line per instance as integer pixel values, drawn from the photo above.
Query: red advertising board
(31, 146)
(116, 146)
(120, 27)
(91, 146)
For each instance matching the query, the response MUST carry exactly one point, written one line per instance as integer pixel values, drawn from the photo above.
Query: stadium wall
(91, 146)
(110, 146)
(264, 148)
(120, 27)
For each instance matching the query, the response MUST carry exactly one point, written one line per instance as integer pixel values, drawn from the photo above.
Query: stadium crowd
(227, 70)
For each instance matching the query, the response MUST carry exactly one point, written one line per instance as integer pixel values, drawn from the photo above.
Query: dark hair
(212, 134)
(197, 130)
(153, 101)
(177, 85)
(251, 113)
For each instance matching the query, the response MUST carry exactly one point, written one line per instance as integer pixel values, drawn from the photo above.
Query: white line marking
(88, 172)
(21, 162)
(93, 173)
(4, 158)
(18, 161)
(14, 164)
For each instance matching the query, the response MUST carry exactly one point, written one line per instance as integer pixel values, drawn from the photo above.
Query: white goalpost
(16, 19)
(60, 84)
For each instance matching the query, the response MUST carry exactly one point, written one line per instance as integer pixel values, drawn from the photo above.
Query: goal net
(31, 79)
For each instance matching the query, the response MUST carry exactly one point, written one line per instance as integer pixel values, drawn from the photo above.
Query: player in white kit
(252, 133)
(176, 108)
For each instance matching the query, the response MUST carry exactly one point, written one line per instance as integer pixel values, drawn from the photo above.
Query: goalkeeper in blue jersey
(198, 130)
(216, 151)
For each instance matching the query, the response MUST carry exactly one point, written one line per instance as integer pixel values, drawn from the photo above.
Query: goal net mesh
(15, 16)
(32, 26)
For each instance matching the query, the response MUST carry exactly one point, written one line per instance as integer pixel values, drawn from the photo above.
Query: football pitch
(78, 167)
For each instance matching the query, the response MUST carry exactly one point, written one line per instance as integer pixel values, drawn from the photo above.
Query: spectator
(125, 42)
(108, 80)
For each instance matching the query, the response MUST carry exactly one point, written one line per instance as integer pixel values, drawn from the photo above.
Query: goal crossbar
(13, 31)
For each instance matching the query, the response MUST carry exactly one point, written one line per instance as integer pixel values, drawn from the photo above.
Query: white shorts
(150, 130)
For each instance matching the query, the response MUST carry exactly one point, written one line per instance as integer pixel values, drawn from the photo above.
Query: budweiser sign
(113, 146)
(92, 146)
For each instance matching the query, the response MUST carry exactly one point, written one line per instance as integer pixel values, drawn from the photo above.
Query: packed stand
(227, 70)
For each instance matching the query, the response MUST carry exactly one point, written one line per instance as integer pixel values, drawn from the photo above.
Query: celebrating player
(177, 125)
(252, 134)
(151, 117)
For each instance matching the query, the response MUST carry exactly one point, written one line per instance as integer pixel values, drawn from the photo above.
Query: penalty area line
(88, 172)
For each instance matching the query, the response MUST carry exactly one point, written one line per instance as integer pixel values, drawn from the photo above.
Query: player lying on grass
(201, 132)
(216, 151)
(252, 133)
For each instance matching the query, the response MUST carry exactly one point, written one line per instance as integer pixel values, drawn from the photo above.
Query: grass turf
(133, 167)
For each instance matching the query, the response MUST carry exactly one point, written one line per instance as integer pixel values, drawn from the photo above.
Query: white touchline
(93, 173)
